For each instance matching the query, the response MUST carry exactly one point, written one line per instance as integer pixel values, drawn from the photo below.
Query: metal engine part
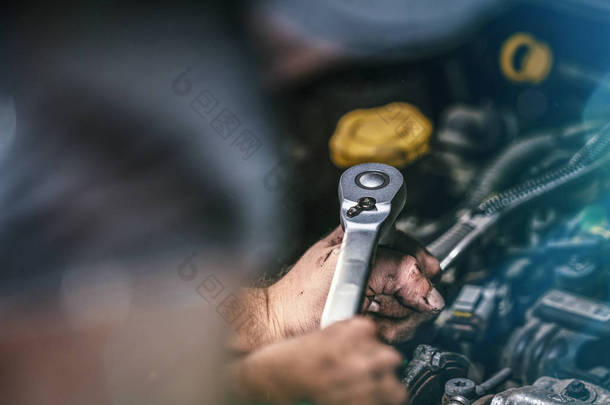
(475, 307)
(429, 370)
(552, 391)
(565, 336)
(462, 391)
(533, 297)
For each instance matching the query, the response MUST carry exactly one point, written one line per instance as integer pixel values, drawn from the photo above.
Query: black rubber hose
(582, 162)
(507, 165)
(590, 157)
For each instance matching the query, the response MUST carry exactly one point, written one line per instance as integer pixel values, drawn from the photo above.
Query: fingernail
(373, 307)
(435, 299)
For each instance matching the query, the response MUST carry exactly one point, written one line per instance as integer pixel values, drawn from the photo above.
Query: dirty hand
(399, 294)
(344, 364)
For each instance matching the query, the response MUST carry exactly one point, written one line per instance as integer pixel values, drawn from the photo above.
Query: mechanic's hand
(399, 295)
(344, 364)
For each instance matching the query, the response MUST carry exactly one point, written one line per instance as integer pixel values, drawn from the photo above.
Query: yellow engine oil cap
(395, 134)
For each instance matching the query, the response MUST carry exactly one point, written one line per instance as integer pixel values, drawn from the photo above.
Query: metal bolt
(366, 203)
(460, 387)
(577, 390)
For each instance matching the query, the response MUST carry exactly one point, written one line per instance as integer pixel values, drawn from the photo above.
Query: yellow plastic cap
(395, 134)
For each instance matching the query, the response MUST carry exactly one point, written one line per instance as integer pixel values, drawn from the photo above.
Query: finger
(415, 290)
(429, 264)
(392, 391)
(359, 326)
(394, 331)
(382, 284)
(397, 287)
(362, 392)
(387, 306)
(385, 359)
(406, 244)
(377, 357)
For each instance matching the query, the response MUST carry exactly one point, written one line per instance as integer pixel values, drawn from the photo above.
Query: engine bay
(493, 193)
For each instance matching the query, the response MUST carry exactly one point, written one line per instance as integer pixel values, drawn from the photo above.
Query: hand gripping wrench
(371, 197)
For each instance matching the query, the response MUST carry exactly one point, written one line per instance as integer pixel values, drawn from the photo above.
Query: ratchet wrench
(371, 197)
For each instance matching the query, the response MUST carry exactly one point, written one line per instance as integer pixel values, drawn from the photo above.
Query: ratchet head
(371, 196)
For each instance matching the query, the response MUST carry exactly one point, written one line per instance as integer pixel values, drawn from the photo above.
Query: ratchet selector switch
(364, 204)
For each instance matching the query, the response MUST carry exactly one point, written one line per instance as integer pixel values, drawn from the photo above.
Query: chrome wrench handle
(371, 196)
